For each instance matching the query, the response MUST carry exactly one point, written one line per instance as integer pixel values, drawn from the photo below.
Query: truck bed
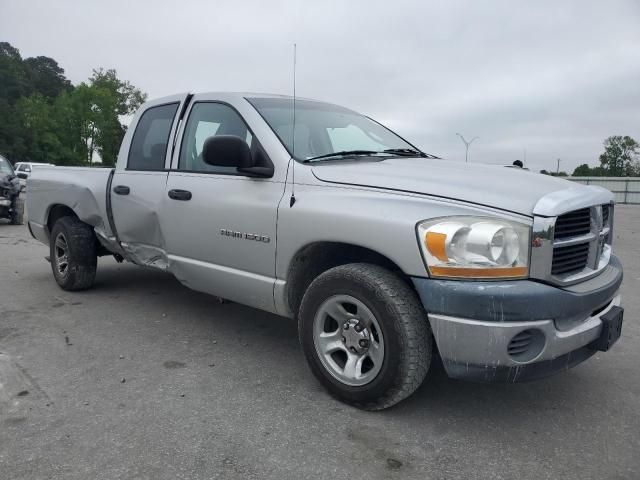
(82, 189)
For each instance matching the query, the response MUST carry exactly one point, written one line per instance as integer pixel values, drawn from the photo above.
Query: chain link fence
(626, 189)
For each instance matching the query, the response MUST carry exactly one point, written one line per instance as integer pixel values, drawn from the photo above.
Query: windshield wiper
(406, 152)
(343, 153)
(400, 152)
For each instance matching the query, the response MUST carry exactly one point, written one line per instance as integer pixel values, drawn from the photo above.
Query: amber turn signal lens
(462, 272)
(435, 243)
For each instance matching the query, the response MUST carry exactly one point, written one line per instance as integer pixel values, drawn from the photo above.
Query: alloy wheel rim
(348, 340)
(61, 254)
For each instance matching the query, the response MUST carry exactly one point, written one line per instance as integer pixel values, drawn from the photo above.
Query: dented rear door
(139, 183)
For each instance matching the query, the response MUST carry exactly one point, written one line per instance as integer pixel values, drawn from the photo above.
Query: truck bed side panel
(79, 188)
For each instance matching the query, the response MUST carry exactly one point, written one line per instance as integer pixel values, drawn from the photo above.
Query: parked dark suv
(9, 193)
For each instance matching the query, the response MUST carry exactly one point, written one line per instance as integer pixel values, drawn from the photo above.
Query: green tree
(127, 98)
(46, 77)
(69, 114)
(85, 120)
(45, 118)
(620, 157)
(107, 98)
(582, 171)
(37, 125)
(585, 170)
(13, 80)
(23, 135)
(13, 85)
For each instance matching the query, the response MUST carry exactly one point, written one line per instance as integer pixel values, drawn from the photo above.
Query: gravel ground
(142, 378)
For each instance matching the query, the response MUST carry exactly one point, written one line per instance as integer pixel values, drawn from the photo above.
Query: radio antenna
(292, 200)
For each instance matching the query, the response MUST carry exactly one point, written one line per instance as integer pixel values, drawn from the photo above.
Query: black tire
(81, 257)
(17, 215)
(408, 342)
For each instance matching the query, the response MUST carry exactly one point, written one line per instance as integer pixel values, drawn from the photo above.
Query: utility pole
(558, 167)
(466, 144)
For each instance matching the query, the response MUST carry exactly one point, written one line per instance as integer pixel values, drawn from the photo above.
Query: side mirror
(22, 175)
(227, 151)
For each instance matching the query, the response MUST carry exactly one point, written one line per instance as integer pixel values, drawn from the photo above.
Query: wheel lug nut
(344, 340)
(353, 349)
(364, 343)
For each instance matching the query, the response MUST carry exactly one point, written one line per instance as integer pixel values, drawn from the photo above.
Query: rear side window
(150, 140)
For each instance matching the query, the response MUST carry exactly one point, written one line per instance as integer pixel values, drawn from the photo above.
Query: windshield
(5, 167)
(323, 129)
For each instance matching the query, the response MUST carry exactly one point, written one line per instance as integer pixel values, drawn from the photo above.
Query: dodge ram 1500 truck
(385, 255)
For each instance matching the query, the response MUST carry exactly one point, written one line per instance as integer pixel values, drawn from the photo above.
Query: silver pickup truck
(385, 255)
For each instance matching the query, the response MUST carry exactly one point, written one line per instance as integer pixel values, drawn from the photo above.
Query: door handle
(180, 195)
(121, 190)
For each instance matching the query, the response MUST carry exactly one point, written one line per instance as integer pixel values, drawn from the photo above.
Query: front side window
(151, 138)
(323, 128)
(206, 120)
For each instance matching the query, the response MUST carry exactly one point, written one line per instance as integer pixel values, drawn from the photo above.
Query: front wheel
(365, 335)
(73, 254)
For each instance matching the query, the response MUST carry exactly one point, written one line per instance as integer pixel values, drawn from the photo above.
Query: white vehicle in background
(24, 169)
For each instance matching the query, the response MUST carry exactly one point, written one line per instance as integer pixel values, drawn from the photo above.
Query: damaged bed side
(55, 191)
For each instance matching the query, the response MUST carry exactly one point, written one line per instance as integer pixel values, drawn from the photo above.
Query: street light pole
(558, 167)
(466, 144)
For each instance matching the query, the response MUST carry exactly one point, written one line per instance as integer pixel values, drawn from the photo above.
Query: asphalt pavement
(142, 378)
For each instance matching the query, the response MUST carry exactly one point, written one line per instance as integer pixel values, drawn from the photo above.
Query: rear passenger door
(138, 186)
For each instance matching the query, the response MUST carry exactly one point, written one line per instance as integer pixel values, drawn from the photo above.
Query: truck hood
(511, 189)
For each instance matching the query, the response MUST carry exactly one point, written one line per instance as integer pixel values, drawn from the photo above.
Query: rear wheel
(73, 254)
(365, 335)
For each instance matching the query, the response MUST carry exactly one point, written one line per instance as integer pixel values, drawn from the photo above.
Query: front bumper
(474, 324)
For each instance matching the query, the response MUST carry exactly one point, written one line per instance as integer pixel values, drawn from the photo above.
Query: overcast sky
(552, 77)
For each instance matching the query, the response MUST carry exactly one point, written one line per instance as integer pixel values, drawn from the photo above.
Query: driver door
(219, 224)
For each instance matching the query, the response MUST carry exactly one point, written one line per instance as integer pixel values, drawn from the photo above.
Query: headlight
(475, 247)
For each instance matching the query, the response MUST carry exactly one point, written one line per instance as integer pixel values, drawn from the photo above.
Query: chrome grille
(573, 224)
(572, 258)
(605, 214)
(572, 246)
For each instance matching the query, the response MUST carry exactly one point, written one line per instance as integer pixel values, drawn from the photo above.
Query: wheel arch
(56, 212)
(315, 258)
